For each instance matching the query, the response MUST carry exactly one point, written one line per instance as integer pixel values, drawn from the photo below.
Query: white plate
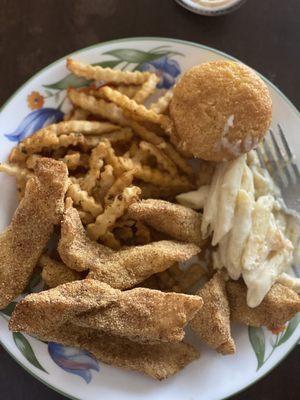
(75, 373)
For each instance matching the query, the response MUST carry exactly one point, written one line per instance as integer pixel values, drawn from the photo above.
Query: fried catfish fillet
(139, 314)
(179, 222)
(23, 241)
(75, 248)
(278, 306)
(212, 322)
(55, 273)
(127, 268)
(159, 360)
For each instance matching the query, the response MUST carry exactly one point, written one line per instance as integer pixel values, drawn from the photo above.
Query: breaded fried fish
(126, 268)
(22, 243)
(212, 322)
(55, 273)
(139, 314)
(75, 248)
(279, 305)
(179, 222)
(159, 360)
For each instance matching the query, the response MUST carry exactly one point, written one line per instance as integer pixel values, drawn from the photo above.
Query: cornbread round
(220, 110)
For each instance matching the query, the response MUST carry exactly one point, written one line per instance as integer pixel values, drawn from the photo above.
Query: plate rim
(143, 38)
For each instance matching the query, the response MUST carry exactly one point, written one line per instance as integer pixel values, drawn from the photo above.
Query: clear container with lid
(211, 7)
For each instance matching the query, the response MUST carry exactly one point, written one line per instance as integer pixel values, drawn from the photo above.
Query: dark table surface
(264, 34)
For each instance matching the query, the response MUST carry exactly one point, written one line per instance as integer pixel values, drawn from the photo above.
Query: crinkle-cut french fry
(68, 128)
(113, 113)
(111, 241)
(47, 139)
(128, 90)
(113, 160)
(86, 217)
(119, 185)
(16, 171)
(115, 210)
(162, 104)
(81, 198)
(144, 133)
(133, 149)
(71, 139)
(78, 114)
(141, 156)
(32, 160)
(146, 90)
(55, 273)
(177, 159)
(97, 106)
(75, 159)
(83, 127)
(21, 174)
(162, 160)
(167, 148)
(16, 156)
(154, 175)
(110, 75)
(122, 135)
(91, 141)
(106, 180)
(96, 163)
(68, 202)
(137, 111)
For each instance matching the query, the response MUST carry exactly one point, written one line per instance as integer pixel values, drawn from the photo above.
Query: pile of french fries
(116, 149)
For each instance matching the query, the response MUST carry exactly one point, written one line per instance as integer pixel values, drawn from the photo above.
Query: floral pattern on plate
(74, 361)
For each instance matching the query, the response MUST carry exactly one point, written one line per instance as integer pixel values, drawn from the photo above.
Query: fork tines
(276, 156)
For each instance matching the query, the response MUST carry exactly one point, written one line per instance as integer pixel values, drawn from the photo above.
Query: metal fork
(275, 155)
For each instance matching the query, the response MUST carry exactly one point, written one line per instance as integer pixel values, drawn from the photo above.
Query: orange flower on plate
(35, 100)
(277, 329)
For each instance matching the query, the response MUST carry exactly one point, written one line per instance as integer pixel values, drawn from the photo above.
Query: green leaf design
(48, 93)
(292, 325)
(257, 340)
(135, 56)
(8, 310)
(68, 81)
(26, 349)
(76, 81)
(107, 64)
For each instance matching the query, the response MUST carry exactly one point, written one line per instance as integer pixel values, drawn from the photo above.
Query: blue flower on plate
(34, 121)
(164, 67)
(74, 361)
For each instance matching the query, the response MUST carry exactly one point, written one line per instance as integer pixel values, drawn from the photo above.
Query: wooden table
(264, 34)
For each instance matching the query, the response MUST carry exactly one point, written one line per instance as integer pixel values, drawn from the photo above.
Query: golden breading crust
(75, 248)
(140, 314)
(157, 360)
(212, 322)
(220, 109)
(55, 273)
(126, 268)
(179, 222)
(22, 243)
(278, 306)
